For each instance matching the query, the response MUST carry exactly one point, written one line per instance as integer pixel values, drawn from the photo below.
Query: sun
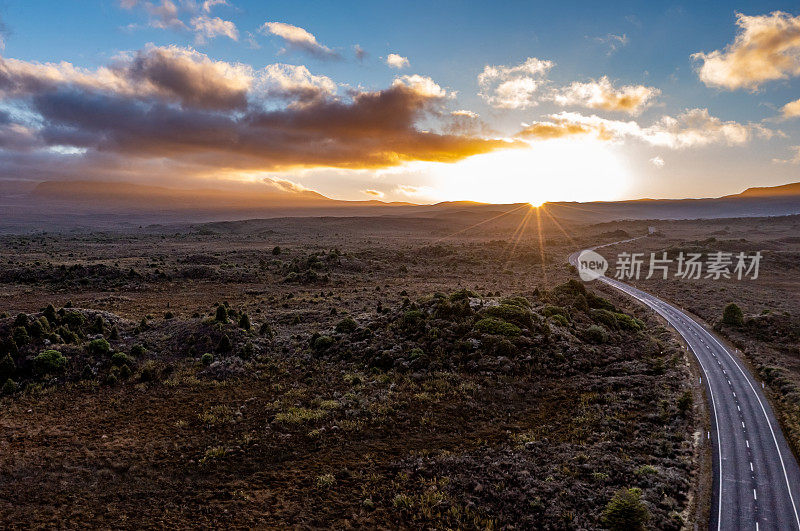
(555, 170)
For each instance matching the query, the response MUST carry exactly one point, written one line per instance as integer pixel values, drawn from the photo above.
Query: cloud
(373, 193)
(397, 61)
(164, 15)
(601, 94)
(791, 109)
(176, 113)
(692, 128)
(208, 4)
(209, 27)
(360, 52)
(514, 87)
(766, 48)
(794, 159)
(284, 185)
(299, 39)
(657, 161)
(422, 85)
(613, 42)
(293, 82)
(526, 85)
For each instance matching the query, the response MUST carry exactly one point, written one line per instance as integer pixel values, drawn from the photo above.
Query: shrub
(224, 344)
(627, 322)
(323, 342)
(325, 481)
(222, 314)
(98, 325)
(36, 329)
(560, 319)
(605, 317)
(118, 359)
(626, 511)
(114, 333)
(74, 320)
(732, 315)
(266, 330)
(247, 351)
(276, 250)
(685, 403)
(138, 351)
(493, 325)
(9, 387)
(21, 320)
(50, 313)
(20, 336)
(98, 347)
(49, 362)
(149, 372)
(244, 322)
(346, 325)
(207, 359)
(511, 313)
(169, 315)
(7, 367)
(596, 334)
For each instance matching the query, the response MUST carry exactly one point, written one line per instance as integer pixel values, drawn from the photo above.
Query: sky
(419, 101)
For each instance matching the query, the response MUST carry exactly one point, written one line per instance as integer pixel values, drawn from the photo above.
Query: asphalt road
(756, 477)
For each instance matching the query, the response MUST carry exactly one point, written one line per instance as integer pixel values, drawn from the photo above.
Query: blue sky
(646, 47)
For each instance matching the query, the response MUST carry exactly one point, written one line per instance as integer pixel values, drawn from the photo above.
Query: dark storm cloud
(195, 115)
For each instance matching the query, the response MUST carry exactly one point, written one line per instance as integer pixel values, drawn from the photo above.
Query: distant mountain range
(60, 205)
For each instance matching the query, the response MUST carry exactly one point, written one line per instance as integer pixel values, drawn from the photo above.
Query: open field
(385, 374)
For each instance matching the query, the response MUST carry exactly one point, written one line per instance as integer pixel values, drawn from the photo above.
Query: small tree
(222, 314)
(244, 321)
(732, 315)
(626, 511)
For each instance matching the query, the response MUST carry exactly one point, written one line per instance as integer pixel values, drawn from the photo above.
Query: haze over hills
(73, 204)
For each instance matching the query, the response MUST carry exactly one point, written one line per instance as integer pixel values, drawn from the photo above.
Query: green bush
(9, 387)
(98, 325)
(207, 359)
(511, 313)
(7, 367)
(118, 359)
(49, 362)
(98, 347)
(493, 325)
(138, 351)
(732, 315)
(50, 314)
(627, 322)
(222, 314)
(626, 511)
(276, 250)
(323, 342)
(560, 319)
(244, 322)
(36, 329)
(20, 335)
(346, 325)
(596, 334)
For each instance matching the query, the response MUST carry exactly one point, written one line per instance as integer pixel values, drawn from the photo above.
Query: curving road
(756, 477)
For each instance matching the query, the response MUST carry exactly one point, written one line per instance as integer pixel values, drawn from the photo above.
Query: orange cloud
(766, 48)
(791, 109)
(192, 115)
(692, 128)
(601, 94)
